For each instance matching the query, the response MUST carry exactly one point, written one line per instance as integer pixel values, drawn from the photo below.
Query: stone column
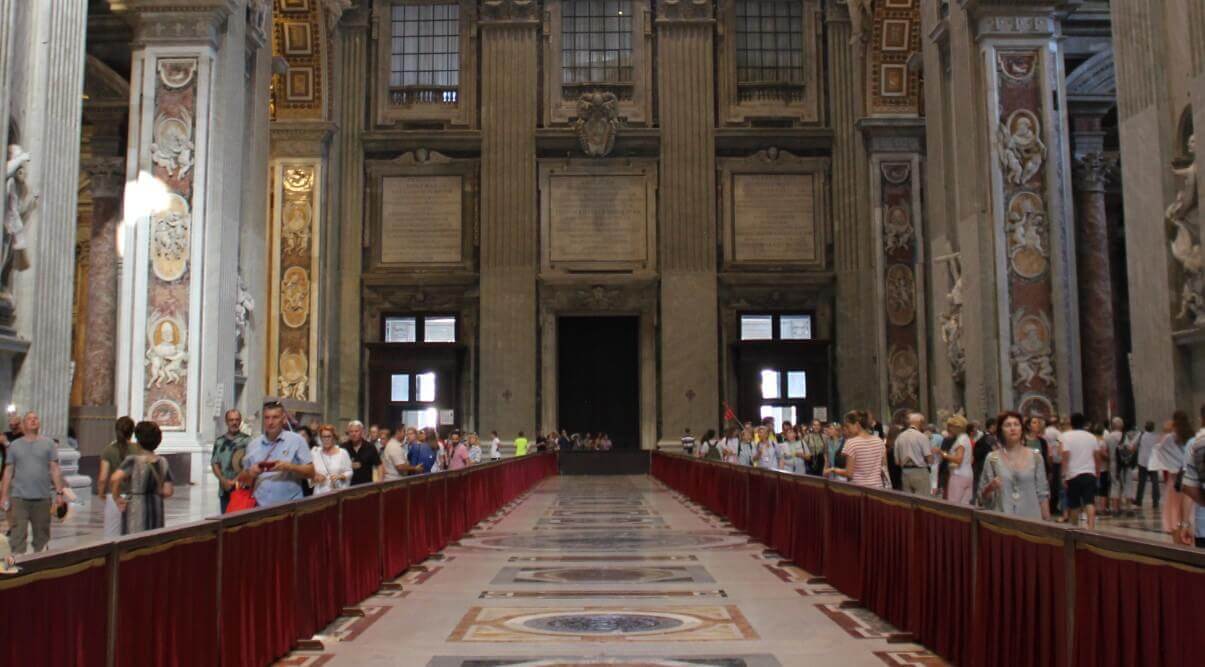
(176, 360)
(853, 249)
(1098, 345)
(509, 223)
(344, 260)
(689, 318)
(107, 176)
(51, 118)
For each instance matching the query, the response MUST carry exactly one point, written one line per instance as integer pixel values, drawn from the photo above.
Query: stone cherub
(1022, 152)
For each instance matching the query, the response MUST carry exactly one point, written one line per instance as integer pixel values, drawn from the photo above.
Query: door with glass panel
(782, 371)
(415, 373)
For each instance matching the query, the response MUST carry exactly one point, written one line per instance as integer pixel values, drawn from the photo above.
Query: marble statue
(1022, 152)
(861, 17)
(20, 202)
(951, 320)
(244, 306)
(1185, 247)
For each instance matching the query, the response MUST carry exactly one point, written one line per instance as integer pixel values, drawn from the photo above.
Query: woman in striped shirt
(864, 452)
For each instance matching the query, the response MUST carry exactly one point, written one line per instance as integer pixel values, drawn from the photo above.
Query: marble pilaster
(345, 257)
(50, 116)
(107, 178)
(186, 155)
(853, 249)
(689, 318)
(509, 34)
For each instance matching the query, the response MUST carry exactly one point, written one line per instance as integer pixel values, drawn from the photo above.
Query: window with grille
(769, 49)
(596, 47)
(425, 54)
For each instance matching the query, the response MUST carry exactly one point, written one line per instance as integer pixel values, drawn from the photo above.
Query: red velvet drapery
(940, 582)
(887, 558)
(416, 522)
(55, 618)
(842, 562)
(810, 537)
(1132, 610)
(320, 593)
(1020, 617)
(153, 626)
(258, 592)
(395, 515)
(782, 529)
(361, 574)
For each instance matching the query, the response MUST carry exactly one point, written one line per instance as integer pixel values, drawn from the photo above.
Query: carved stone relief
(167, 351)
(294, 375)
(901, 295)
(173, 146)
(1026, 231)
(897, 229)
(1032, 350)
(903, 375)
(170, 239)
(951, 320)
(295, 297)
(597, 123)
(1022, 152)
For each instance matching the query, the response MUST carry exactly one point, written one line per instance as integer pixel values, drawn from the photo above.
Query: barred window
(596, 46)
(769, 42)
(425, 53)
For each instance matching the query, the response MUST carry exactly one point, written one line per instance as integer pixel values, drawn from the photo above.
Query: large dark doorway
(598, 377)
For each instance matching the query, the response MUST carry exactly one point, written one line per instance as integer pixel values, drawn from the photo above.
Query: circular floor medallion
(603, 623)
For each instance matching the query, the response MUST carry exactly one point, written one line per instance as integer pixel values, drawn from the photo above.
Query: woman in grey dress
(1014, 476)
(150, 481)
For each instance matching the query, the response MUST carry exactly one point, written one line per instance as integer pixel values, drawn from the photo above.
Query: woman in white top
(767, 450)
(1167, 460)
(474, 449)
(730, 446)
(959, 458)
(494, 442)
(332, 465)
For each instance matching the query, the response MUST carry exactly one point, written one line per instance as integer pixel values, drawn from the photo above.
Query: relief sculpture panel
(295, 265)
(897, 192)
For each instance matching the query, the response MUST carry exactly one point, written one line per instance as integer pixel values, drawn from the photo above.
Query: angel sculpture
(1022, 152)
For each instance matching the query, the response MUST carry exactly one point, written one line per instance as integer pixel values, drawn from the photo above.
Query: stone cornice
(300, 138)
(176, 21)
(685, 11)
(893, 135)
(1017, 18)
(501, 13)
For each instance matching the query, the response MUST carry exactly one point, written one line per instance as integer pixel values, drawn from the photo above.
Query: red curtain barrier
(761, 505)
(437, 506)
(361, 572)
(940, 617)
(416, 522)
(258, 592)
(167, 605)
(1020, 617)
(887, 558)
(810, 538)
(782, 528)
(395, 514)
(842, 561)
(55, 617)
(319, 560)
(1134, 610)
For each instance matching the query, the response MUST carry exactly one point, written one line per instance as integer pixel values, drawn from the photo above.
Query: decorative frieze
(509, 11)
(893, 83)
(296, 223)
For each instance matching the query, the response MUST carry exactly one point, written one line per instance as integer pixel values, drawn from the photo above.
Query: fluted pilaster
(689, 324)
(509, 226)
(52, 134)
(352, 54)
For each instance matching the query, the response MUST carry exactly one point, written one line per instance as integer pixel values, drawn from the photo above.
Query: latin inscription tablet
(773, 217)
(421, 219)
(597, 218)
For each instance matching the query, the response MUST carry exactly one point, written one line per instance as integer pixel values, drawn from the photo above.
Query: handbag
(241, 499)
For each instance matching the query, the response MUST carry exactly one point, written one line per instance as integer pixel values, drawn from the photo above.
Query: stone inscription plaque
(597, 218)
(773, 218)
(421, 219)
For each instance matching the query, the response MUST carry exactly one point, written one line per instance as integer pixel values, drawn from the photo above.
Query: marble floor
(678, 588)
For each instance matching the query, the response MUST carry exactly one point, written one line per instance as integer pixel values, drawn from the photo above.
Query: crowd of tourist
(1062, 469)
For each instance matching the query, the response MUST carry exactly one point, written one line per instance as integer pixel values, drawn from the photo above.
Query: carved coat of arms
(597, 123)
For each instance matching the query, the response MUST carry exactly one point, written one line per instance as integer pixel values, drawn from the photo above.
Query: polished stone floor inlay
(573, 575)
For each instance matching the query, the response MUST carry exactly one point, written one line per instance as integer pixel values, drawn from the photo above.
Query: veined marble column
(107, 176)
(509, 219)
(1031, 189)
(176, 359)
(1098, 345)
(689, 317)
(51, 134)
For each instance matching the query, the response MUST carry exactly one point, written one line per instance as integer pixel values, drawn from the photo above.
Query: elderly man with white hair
(912, 454)
(365, 458)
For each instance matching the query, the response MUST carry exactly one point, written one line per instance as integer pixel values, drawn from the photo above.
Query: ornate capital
(176, 22)
(509, 11)
(684, 10)
(106, 176)
(1093, 172)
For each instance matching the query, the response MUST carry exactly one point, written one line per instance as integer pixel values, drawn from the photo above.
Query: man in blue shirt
(278, 462)
(422, 456)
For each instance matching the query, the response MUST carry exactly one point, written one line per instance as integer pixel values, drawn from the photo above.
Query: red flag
(729, 415)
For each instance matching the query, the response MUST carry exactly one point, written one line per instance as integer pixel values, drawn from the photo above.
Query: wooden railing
(975, 587)
(242, 589)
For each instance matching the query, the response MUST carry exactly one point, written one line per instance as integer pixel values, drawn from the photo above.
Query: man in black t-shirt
(364, 455)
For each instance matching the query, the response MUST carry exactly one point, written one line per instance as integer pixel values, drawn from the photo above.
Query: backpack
(1127, 456)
